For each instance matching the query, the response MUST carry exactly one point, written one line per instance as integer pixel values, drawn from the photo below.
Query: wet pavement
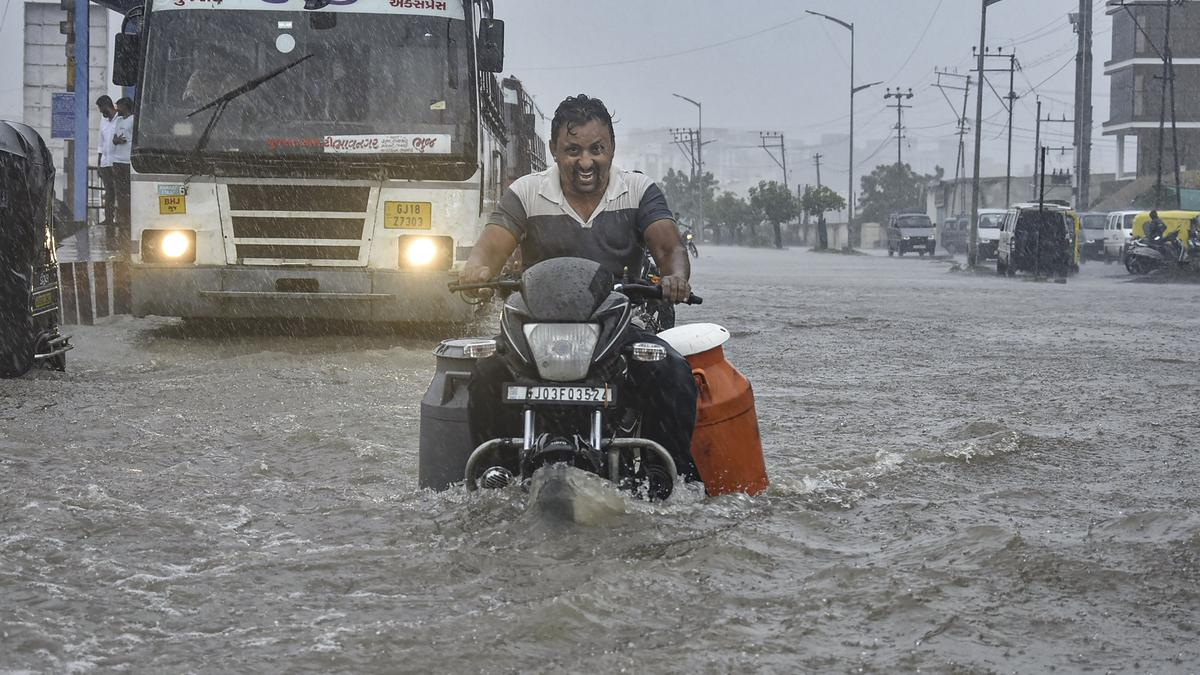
(969, 474)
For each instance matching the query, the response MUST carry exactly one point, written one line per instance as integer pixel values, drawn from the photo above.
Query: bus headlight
(426, 252)
(168, 246)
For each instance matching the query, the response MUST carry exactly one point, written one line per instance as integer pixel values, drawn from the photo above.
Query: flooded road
(969, 474)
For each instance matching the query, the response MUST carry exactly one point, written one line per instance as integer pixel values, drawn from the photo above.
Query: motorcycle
(558, 337)
(691, 244)
(1147, 254)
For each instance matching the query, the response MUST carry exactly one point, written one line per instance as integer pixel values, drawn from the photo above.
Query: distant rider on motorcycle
(584, 207)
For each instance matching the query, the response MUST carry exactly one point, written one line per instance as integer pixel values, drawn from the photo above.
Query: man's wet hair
(105, 100)
(125, 101)
(576, 111)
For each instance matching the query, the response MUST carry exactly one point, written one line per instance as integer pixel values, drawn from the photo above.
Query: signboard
(62, 115)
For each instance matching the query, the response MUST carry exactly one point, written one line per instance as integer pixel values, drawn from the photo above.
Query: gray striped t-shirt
(535, 211)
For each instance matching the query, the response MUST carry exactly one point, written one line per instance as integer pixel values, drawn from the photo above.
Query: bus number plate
(169, 205)
(408, 215)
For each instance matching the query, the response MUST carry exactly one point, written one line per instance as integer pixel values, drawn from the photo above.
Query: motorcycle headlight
(562, 351)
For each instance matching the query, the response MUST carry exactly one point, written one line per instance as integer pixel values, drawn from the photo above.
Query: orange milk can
(725, 444)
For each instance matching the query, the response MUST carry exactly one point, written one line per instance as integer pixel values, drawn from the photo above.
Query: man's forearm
(676, 264)
(492, 250)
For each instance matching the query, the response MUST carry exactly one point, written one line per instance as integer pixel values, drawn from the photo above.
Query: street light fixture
(699, 157)
(853, 90)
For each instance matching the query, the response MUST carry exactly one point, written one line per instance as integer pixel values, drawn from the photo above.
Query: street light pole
(853, 90)
(973, 240)
(699, 158)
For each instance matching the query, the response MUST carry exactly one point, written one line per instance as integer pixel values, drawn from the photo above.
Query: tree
(683, 194)
(891, 188)
(777, 205)
(733, 214)
(817, 201)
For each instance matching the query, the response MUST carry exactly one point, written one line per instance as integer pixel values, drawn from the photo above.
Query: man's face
(106, 110)
(123, 109)
(584, 155)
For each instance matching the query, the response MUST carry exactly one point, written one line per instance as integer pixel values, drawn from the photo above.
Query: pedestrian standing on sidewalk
(122, 143)
(108, 126)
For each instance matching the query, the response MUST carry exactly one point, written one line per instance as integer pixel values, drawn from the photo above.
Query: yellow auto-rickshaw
(1076, 228)
(1176, 221)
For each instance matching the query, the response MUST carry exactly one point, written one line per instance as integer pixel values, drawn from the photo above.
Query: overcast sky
(766, 65)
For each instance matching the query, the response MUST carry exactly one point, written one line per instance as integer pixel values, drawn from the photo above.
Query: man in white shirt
(122, 143)
(108, 125)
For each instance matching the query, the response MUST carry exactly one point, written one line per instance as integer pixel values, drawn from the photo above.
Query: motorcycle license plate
(559, 394)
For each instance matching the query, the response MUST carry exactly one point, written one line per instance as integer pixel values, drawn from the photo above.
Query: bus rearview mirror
(490, 46)
(126, 51)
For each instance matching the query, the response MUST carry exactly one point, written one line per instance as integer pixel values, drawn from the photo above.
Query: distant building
(34, 53)
(1135, 73)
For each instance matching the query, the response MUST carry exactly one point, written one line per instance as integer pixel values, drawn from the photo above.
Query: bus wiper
(223, 100)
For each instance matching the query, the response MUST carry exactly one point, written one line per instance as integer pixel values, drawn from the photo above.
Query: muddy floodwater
(969, 473)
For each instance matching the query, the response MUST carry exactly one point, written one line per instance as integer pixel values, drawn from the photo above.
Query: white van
(1118, 232)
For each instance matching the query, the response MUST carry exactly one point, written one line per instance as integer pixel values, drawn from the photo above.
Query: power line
(920, 40)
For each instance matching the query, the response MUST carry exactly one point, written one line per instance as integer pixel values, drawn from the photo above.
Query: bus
(314, 159)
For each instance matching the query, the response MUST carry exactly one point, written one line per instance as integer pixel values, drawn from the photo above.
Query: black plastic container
(445, 438)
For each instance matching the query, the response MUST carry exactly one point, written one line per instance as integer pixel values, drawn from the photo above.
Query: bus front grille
(258, 197)
(257, 227)
(307, 224)
(296, 252)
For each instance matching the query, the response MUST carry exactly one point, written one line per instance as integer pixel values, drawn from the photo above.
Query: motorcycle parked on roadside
(560, 337)
(1149, 254)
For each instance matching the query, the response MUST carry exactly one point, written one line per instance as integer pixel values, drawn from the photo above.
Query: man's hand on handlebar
(476, 275)
(675, 288)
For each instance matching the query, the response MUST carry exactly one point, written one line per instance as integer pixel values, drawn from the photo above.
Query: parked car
(909, 232)
(1118, 233)
(29, 290)
(1037, 240)
(954, 233)
(1091, 241)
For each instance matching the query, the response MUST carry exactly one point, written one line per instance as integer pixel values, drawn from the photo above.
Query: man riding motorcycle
(584, 207)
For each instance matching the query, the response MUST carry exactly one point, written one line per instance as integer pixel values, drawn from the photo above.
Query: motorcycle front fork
(595, 436)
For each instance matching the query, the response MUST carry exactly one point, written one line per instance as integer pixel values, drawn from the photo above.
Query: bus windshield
(382, 88)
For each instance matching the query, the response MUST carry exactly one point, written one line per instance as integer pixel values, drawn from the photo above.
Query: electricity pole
(1008, 101)
(1168, 80)
(973, 240)
(817, 160)
(763, 136)
(777, 137)
(960, 165)
(699, 162)
(1083, 106)
(900, 107)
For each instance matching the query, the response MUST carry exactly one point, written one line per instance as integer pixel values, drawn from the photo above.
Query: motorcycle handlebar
(495, 284)
(655, 292)
(644, 291)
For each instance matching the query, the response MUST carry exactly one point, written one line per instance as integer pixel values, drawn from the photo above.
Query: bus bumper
(296, 293)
